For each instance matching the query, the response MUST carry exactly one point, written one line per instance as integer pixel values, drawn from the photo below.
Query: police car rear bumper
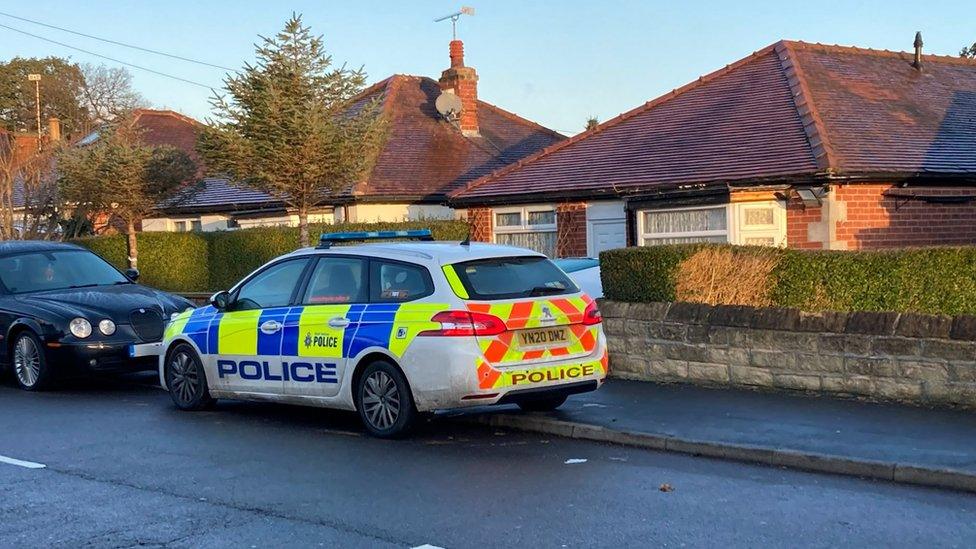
(446, 377)
(536, 393)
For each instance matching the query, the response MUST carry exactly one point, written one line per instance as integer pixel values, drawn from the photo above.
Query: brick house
(801, 145)
(425, 156)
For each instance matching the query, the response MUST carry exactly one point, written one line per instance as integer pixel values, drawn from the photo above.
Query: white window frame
(643, 236)
(524, 226)
(742, 232)
(189, 221)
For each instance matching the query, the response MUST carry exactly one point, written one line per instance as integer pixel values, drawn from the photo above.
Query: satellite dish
(449, 105)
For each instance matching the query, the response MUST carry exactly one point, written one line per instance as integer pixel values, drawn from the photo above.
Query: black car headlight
(80, 328)
(107, 327)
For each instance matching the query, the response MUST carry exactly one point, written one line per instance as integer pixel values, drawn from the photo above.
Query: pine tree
(285, 125)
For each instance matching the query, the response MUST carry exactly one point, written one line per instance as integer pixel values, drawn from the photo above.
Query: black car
(65, 310)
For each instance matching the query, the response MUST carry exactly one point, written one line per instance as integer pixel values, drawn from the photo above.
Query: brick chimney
(462, 81)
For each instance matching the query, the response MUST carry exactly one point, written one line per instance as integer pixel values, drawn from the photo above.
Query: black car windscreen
(513, 277)
(56, 270)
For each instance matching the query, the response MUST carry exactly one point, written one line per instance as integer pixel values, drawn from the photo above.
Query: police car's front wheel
(185, 379)
(384, 401)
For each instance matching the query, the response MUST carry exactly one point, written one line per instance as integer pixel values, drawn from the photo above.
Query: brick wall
(912, 358)
(874, 221)
(571, 229)
(798, 224)
(480, 221)
(866, 216)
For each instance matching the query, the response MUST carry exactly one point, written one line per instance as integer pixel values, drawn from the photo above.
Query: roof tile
(790, 109)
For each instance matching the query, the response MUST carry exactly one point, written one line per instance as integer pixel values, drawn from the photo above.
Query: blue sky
(555, 62)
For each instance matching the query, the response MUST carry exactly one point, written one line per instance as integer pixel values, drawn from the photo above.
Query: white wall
(210, 223)
(606, 226)
(358, 213)
(284, 220)
(168, 224)
(370, 213)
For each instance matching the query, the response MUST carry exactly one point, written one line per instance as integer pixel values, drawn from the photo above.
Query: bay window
(759, 223)
(684, 225)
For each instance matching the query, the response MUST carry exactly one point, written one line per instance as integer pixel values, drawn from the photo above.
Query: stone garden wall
(921, 359)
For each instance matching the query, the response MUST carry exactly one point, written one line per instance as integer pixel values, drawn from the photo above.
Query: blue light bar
(328, 239)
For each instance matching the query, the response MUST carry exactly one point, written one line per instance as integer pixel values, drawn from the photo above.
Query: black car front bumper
(97, 357)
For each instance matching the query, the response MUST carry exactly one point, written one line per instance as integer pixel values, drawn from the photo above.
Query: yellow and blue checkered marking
(306, 331)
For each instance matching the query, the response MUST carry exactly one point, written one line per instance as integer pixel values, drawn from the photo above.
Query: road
(123, 468)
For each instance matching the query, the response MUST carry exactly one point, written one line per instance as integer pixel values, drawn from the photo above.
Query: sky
(553, 62)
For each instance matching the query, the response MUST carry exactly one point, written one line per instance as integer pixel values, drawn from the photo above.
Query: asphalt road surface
(123, 467)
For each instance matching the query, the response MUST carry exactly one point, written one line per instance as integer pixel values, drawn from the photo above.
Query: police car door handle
(270, 327)
(339, 322)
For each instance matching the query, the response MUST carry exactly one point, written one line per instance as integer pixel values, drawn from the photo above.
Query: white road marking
(21, 463)
(574, 461)
(427, 546)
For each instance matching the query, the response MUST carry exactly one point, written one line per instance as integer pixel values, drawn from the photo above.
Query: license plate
(138, 350)
(543, 337)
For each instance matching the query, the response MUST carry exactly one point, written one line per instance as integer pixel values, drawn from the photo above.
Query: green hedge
(189, 262)
(931, 280)
(171, 261)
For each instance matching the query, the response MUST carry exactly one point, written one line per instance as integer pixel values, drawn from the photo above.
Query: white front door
(605, 234)
(606, 226)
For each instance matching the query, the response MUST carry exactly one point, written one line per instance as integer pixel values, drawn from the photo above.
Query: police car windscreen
(513, 277)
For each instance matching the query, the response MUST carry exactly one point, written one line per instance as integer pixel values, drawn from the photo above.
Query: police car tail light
(592, 314)
(464, 323)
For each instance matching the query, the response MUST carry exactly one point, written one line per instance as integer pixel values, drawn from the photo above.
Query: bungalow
(428, 153)
(800, 145)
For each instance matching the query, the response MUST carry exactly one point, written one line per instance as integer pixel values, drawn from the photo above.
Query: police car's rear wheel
(384, 400)
(185, 379)
(542, 404)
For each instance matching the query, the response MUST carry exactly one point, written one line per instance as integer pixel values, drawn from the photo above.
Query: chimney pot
(457, 53)
(918, 51)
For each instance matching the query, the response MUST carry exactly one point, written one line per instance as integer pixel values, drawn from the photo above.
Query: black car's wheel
(29, 363)
(384, 401)
(186, 380)
(547, 404)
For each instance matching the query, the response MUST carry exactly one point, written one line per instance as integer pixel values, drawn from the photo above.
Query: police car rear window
(512, 278)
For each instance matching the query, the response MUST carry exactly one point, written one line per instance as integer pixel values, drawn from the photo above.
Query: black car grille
(147, 324)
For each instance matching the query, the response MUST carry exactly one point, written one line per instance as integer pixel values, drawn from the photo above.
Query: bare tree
(107, 93)
(28, 192)
(8, 179)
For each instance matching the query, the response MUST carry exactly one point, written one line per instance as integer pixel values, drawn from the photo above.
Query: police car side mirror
(132, 274)
(220, 300)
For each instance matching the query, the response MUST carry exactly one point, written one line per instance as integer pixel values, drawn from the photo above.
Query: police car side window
(392, 282)
(272, 287)
(337, 280)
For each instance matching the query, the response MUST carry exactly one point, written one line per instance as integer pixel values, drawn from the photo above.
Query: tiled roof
(423, 157)
(217, 194)
(789, 110)
(883, 115)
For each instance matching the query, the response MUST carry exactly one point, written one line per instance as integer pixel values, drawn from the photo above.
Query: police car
(391, 330)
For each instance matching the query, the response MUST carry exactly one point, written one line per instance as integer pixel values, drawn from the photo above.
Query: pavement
(935, 447)
(122, 467)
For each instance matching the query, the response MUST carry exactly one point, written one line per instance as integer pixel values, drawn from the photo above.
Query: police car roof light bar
(328, 239)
